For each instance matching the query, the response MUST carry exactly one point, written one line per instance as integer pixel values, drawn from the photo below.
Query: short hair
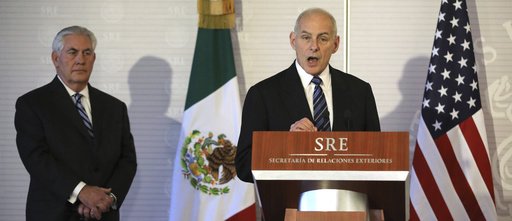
(58, 44)
(311, 11)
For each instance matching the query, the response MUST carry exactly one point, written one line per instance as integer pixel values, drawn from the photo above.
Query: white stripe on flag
(219, 112)
(478, 118)
(419, 200)
(471, 172)
(439, 172)
(206, 114)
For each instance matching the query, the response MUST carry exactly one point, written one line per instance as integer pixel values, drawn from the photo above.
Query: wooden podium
(286, 164)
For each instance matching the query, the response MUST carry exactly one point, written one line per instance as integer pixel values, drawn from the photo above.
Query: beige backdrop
(145, 53)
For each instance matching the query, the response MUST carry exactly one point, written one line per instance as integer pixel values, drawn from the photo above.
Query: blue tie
(81, 110)
(321, 114)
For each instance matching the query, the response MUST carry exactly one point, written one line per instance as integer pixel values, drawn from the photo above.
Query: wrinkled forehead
(316, 23)
(77, 41)
(312, 28)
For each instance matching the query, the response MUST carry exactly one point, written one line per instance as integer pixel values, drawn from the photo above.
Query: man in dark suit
(286, 100)
(78, 149)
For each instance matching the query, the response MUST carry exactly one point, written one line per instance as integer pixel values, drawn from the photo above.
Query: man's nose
(79, 59)
(314, 45)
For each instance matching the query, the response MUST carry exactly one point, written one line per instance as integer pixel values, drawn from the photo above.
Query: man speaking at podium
(310, 95)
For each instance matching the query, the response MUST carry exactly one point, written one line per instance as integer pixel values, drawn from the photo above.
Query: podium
(286, 164)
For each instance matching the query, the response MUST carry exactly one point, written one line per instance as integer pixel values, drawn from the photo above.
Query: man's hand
(88, 213)
(94, 201)
(303, 124)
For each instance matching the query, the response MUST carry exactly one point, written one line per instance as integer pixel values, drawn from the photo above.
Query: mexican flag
(205, 185)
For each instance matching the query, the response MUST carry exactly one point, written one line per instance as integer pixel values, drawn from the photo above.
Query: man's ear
(292, 39)
(336, 44)
(55, 58)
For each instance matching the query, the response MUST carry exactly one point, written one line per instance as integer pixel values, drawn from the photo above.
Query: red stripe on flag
(458, 178)
(429, 186)
(412, 214)
(246, 214)
(478, 149)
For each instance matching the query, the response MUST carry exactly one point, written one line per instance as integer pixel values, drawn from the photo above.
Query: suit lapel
(293, 95)
(340, 99)
(96, 111)
(63, 102)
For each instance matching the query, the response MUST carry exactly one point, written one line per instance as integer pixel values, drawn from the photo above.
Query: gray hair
(58, 43)
(312, 11)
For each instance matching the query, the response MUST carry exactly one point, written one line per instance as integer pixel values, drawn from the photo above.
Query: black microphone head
(347, 114)
(326, 113)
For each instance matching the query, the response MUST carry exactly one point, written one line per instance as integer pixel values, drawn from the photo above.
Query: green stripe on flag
(213, 64)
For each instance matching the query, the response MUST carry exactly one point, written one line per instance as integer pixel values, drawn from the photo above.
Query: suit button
(96, 169)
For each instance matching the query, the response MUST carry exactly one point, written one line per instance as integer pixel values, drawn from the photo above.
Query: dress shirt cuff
(74, 196)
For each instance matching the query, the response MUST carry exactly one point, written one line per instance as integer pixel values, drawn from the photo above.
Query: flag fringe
(216, 14)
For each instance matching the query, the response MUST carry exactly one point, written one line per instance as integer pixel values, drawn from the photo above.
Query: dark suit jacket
(275, 103)
(58, 153)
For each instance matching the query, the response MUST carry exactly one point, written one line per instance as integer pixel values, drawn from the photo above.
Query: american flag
(451, 177)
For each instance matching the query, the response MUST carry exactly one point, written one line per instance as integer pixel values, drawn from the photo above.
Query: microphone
(347, 115)
(325, 114)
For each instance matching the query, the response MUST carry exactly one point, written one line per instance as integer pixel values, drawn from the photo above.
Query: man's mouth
(312, 59)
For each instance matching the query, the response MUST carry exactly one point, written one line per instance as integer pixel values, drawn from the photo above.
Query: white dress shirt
(309, 88)
(87, 106)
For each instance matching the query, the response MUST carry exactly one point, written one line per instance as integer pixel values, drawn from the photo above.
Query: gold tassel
(216, 14)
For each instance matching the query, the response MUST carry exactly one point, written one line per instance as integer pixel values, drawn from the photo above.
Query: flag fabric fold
(204, 183)
(451, 176)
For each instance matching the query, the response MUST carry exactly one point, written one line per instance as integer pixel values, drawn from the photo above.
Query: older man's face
(75, 61)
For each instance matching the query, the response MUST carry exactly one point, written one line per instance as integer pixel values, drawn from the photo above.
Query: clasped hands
(303, 124)
(94, 201)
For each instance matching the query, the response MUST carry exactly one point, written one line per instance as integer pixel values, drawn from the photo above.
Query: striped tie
(81, 110)
(321, 114)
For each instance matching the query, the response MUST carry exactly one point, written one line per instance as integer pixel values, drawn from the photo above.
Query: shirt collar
(306, 78)
(84, 92)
